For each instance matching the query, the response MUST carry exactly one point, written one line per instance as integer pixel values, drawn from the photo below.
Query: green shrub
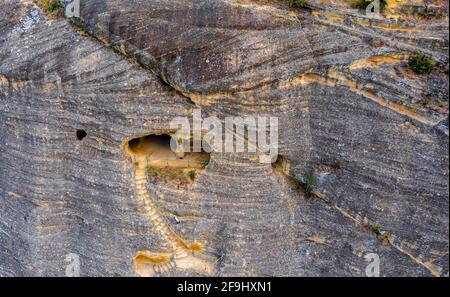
(305, 184)
(297, 3)
(52, 6)
(362, 4)
(309, 184)
(375, 229)
(421, 64)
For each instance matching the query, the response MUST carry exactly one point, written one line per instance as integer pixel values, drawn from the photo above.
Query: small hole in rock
(81, 134)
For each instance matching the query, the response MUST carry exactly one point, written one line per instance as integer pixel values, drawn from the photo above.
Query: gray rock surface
(374, 133)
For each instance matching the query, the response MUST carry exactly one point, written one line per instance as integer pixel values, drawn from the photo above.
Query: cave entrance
(158, 169)
(155, 150)
(281, 165)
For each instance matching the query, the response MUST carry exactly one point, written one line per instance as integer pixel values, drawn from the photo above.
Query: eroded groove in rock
(153, 151)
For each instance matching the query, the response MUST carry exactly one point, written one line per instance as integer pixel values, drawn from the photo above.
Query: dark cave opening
(156, 150)
(137, 145)
(81, 134)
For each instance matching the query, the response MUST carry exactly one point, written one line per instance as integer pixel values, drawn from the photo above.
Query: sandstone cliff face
(373, 132)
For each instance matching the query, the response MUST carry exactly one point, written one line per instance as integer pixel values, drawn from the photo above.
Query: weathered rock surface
(374, 132)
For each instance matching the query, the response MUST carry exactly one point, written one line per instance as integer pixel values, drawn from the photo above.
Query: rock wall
(373, 132)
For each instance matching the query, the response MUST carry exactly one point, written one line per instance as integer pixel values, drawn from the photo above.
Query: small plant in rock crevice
(191, 174)
(421, 64)
(297, 3)
(53, 7)
(156, 173)
(375, 229)
(307, 184)
(383, 237)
